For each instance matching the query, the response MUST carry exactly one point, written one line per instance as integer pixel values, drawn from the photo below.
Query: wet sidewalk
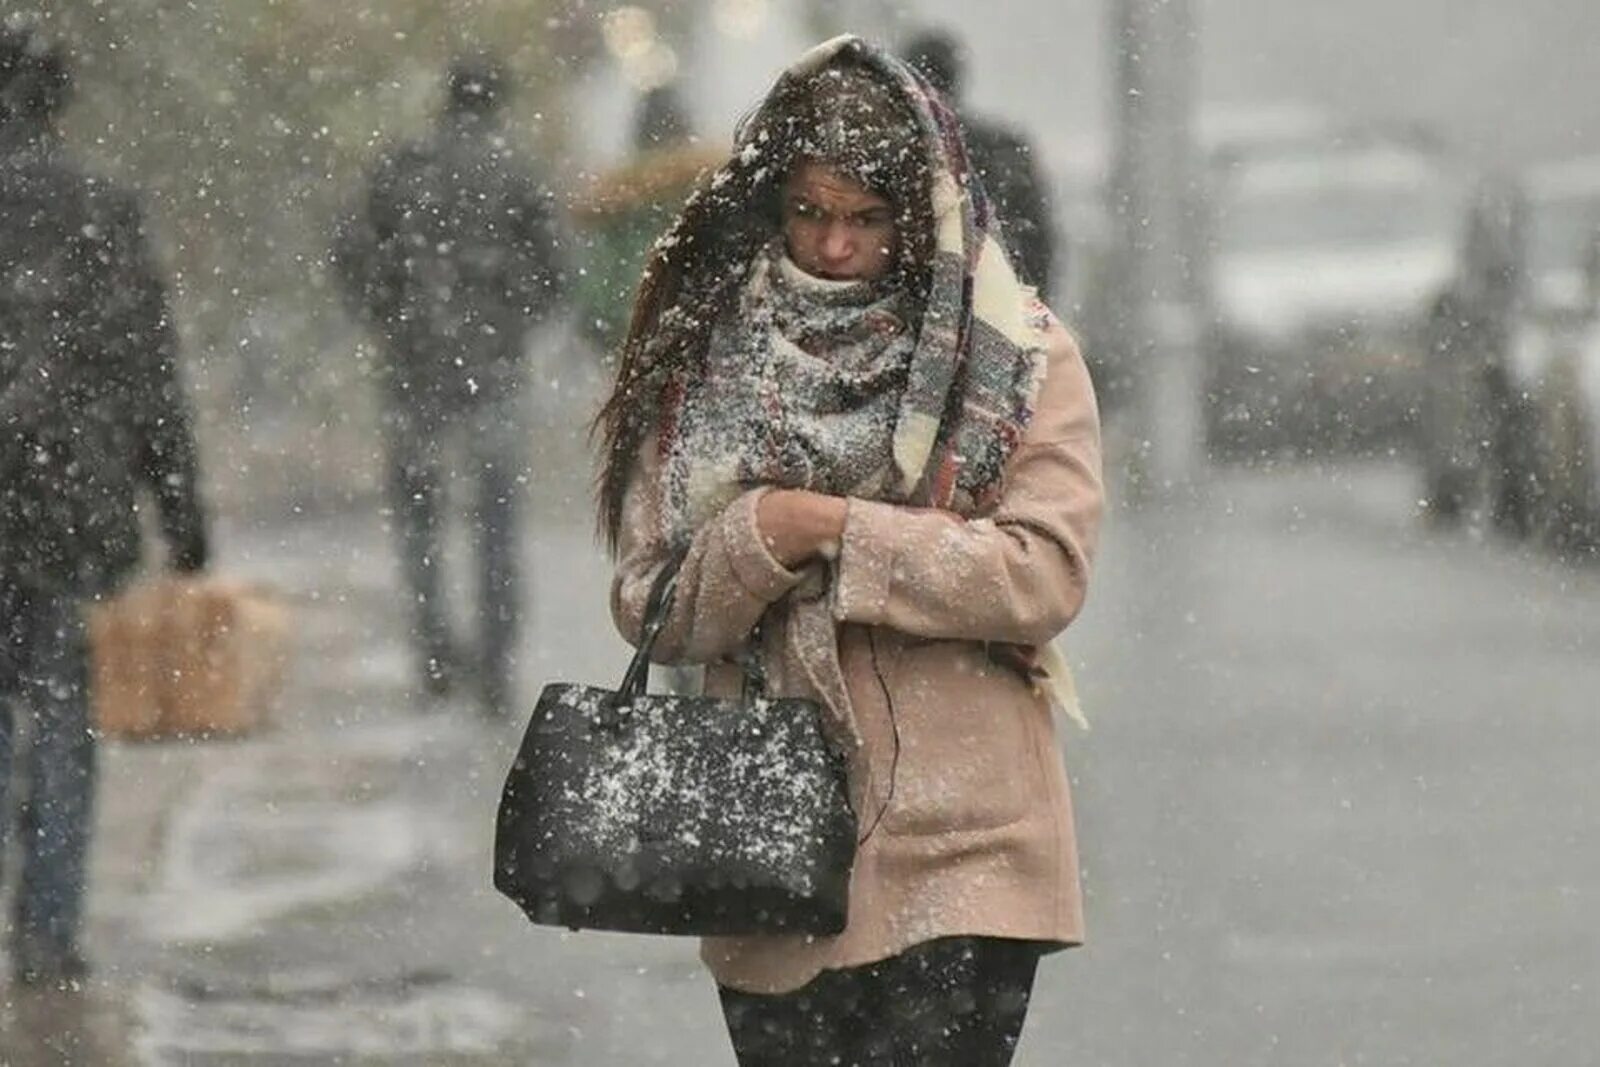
(1333, 810)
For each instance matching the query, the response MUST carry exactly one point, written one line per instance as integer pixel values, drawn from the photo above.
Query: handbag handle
(657, 607)
(655, 617)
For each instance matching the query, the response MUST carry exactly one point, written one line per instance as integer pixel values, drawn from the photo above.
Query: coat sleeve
(144, 344)
(385, 214)
(725, 583)
(1018, 575)
(539, 247)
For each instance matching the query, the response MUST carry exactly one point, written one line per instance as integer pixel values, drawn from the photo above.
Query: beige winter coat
(977, 838)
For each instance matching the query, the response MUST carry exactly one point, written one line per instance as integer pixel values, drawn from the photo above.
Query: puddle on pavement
(293, 831)
(214, 889)
(325, 1018)
(288, 830)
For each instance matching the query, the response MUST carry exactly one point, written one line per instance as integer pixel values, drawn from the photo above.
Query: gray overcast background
(1505, 78)
(1508, 81)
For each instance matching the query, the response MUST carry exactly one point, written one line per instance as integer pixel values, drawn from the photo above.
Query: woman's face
(835, 227)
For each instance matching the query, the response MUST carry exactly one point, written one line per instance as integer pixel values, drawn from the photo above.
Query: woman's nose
(836, 242)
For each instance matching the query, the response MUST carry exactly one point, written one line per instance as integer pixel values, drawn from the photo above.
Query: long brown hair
(843, 115)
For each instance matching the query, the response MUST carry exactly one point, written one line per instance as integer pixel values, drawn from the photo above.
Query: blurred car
(1094, 284)
(1563, 223)
(1556, 358)
(1323, 257)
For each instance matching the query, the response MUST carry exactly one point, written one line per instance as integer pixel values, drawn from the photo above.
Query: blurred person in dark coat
(91, 409)
(454, 259)
(1002, 158)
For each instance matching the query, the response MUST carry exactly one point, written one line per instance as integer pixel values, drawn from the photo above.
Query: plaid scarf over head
(945, 409)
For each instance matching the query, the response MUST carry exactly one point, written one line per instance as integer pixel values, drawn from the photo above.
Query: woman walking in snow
(881, 454)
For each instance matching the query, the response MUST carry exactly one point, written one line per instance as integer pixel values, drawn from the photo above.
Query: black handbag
(676, 814)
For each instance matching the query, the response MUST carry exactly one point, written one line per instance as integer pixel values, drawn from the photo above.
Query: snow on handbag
(676, 814)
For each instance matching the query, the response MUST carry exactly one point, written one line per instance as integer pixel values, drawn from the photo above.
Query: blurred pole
(1152, 191)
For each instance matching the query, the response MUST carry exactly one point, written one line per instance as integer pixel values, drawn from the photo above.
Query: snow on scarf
(801, 388)
(807, 389)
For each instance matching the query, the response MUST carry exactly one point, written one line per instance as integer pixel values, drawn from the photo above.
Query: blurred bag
(186, 657)
(673, 814)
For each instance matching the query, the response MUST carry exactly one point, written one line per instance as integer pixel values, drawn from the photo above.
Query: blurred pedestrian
(880, 454)
(456, 257)
(627, 208)
(1002, 157)
(91, 407)
(1478, 430)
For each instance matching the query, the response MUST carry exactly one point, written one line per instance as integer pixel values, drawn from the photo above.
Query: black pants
(480, 449)
(47, 768)
(954, 1001)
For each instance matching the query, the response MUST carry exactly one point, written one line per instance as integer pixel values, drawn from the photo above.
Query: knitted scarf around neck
(801, 389)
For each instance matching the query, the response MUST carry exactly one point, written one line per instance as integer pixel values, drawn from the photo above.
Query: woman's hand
(797, 524)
